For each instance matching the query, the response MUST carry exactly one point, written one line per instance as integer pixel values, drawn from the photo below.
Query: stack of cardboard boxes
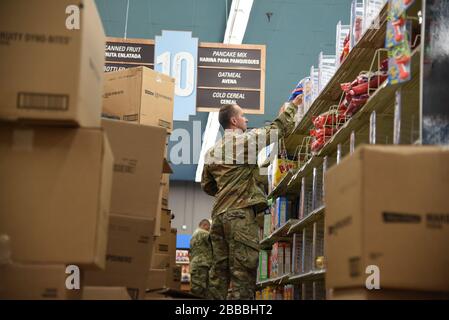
(55, 159)
(140, 103)
(387, 224)
(76, 189)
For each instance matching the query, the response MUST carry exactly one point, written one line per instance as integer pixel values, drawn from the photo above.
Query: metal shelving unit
(280, 234)
(274, 281)
(390, 116)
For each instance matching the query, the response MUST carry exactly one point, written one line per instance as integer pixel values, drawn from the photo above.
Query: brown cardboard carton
(55, 186)
(105, 293)
(140, 95)
(161, 208)
(160, 261)
(164, 250)
(162, 241)
(166, 166)
(165, 183)
(128, 255)
(365, 294)
(163, 196)
(172, 246)
(388, 207)
(35, 282)
(165, 221)
(174, 277)
(156, 279)
(48, 72)
(157, 224)
(138, 165)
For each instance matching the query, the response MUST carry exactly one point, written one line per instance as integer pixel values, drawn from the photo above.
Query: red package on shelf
(327, 118)
(342, 108)
(348, 85)
(374, 83)
(363, 78)
(323, 132)
(356, 103)
(318, 143)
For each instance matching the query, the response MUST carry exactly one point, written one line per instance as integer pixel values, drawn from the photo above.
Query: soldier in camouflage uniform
(200, 259)
(231, 174)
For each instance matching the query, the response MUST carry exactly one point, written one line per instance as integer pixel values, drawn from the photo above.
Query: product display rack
(380, 121)
(280, 234)
(284, 279)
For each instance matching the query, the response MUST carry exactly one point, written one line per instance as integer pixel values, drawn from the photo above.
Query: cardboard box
(156, 279)
(162, 203)
(386, 206)
(161, 242)
(160, 261)
(365, 294)
(173, 280)
(165, 221)
(165, 183)
(55, 186)
(128, 255)
(35, 282)
(48, 72)
(105, 293)
(164, 250)
(140, 95)
(138, 166)
(172, 246)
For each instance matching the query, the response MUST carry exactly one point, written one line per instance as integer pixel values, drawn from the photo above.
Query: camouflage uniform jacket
(200, 249)
(231, 173)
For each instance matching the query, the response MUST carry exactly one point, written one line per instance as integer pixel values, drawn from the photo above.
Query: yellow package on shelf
(280, 168)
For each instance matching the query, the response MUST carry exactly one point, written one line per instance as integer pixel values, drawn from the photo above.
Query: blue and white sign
(176, 54)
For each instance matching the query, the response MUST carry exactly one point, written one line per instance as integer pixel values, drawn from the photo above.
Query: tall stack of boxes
(76, 189)
(55, 159)
(387, 224)
(140, 103)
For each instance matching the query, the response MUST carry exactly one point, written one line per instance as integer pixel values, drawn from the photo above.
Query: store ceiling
(294, 32)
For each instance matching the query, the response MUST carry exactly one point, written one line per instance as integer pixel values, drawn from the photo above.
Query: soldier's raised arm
(283, 124)
(208, 183)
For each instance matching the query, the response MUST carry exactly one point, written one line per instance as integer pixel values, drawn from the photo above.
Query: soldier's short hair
(203, 221)
(225, 114)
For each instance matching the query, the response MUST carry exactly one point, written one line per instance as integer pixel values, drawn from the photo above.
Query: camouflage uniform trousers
(235, 248)
(199, 280)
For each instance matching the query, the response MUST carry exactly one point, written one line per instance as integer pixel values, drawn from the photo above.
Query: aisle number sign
(176, 55)
(207, 75)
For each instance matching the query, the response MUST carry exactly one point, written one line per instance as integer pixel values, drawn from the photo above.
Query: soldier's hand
(298, 100)
(282, 109)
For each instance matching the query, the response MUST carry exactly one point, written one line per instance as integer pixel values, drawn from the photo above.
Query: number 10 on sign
(178, 72)
(176, 54)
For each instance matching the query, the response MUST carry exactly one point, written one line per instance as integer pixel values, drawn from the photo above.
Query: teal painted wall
(297, 32)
